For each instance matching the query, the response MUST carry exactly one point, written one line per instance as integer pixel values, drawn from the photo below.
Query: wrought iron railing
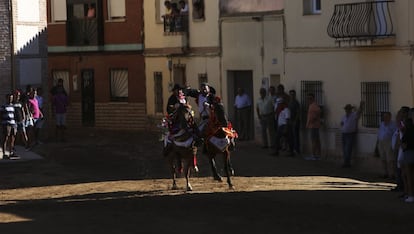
(177, 23)
(83, 32)
(376, 96)
(364, 20)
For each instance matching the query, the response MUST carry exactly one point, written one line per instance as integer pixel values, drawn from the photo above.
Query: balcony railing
(177, 23)
(83, 32)
(362, 21)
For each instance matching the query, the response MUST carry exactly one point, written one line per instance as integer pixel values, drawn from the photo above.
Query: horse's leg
(188, 163)
(195, 159)
(173, 171)
(216, 175)
(226, 157)
(230, 165)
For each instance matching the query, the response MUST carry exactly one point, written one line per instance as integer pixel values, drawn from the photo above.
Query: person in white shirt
(349, 128)
(242, 105)
(183, 7)
(385, 132)
(282, 126)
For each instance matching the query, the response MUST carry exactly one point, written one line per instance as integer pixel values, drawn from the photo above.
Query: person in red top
(313, 123)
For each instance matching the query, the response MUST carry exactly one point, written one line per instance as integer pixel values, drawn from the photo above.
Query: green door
(88, 98)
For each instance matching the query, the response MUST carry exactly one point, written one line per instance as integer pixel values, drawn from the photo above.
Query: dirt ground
(118, 182)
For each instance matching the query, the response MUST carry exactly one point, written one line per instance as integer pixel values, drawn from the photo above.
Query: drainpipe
(11, 35)
(221, 56)
(260, 19)
(411, 73)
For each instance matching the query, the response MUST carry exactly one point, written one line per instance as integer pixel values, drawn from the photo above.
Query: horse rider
(176, 99)
(204, 97)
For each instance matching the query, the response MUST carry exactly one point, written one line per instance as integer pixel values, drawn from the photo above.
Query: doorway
(88, 98)
(240, 79)
(179, 74)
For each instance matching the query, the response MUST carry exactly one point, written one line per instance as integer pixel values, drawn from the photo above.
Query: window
(174, 15)
(64, 75)
(376, 98)
(314, 87)
(198, 9)
(58, 10)
(116, 9)
(159, 105)
(119, 84)
(84, 26)
(202, 78)
(311, 7)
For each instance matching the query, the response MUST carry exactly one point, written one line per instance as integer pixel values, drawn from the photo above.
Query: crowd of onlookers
(22, 117)
(395, 147)
(279, 115)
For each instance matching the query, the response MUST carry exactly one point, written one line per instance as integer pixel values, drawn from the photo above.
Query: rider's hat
(177, 87)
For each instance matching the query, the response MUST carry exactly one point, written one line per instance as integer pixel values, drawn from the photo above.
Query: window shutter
(116, 8)
(59, 10)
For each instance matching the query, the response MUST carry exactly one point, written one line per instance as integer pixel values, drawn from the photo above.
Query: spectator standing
(349, 128)
(59, 104)
(168, 8)
(36, 114)
(272, 93)
(183, 7)
(40, 122)
(294, 108)
(385, 133)
(402, 115)
(7, 114)
(407, 143)
(264, 109)
(282, 94)
(242, 106)
(91, 11)
(313, 123)
(20, 112)
(59, 87)
(175, 11)
(283, 126)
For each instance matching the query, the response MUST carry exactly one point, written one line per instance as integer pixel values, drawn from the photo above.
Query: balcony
(83, 32)
(176, 32)
(175, 24)
(362, 24)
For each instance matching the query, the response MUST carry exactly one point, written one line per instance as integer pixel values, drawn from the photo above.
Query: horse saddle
(219, 143)
(183, 138)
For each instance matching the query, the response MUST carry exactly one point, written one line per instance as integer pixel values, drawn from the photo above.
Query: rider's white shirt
(201, 107)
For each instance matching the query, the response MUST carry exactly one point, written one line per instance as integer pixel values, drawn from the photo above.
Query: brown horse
(179, 146)
(219, 139)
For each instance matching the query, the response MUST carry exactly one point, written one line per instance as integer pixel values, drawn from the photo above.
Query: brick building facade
(96, 47)
(23, 47)
(5, 48)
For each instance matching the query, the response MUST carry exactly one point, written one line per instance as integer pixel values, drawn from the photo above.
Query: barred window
(311, 7)
(119, 84)
(376, 98)
(158, 92)
(202, 78)
(307, 87)
(198, 10)
(64, 75)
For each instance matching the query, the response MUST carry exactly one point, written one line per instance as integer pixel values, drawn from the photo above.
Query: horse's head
(183, 116)
(220, 114)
